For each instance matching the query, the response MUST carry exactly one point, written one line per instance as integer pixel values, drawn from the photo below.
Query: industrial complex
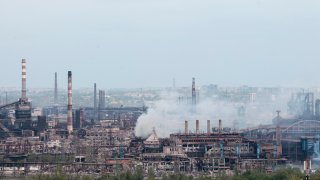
(99, 138)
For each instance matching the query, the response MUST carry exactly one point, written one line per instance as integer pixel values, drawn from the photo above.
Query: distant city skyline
(141, 44)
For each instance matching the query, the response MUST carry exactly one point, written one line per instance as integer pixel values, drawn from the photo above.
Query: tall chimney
(194, 100)
(69, 119)
(220, 126)
(95, 101)
(81, 118)
(278, 129)
(186, 127)
(102, 99)
(102, 103)
(208, 127)
(55, 103)
(197, 126)
(55, 88)
(24, 80)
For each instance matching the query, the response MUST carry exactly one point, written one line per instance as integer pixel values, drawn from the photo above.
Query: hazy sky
(146, 43)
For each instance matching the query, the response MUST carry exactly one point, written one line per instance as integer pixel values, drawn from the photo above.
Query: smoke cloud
(167, 115)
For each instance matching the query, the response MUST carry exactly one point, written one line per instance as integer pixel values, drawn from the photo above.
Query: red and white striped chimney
(69, 118)
(24, 80)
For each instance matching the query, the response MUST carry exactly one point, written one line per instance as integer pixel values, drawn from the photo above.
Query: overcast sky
(147, 43)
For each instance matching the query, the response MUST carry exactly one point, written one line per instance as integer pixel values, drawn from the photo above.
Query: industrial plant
(101, 135)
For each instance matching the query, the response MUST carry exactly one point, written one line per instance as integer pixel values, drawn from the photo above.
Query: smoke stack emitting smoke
(24, 80)
(69, 118)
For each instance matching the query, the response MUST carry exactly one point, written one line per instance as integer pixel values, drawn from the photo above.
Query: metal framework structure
(302, 128)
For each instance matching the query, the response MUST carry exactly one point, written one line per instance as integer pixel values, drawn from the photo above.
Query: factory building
(297, 138)
(79, 119)
(221, 146)
(215, 151)
(106, 135)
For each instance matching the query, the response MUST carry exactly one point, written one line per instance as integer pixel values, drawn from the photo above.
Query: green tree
(151, 174)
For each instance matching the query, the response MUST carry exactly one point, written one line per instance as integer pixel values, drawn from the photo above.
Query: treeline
(281, 174)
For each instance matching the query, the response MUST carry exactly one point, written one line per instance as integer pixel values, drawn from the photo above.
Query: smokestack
(208, 127)
(102, 102)
(81, 118)
(186, 127)
(69, 119)
(95, 101)
(24, 80)
(194, 100)
(55, 88)
(102, 99)
(220, 126)
(55, 103)
(197, 126)
(278, 130)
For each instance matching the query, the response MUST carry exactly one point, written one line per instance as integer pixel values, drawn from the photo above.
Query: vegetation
(281, 174)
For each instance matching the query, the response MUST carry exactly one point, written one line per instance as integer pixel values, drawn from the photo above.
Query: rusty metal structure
(215, 151)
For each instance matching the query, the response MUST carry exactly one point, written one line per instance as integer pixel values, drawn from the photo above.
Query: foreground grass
(281, 174)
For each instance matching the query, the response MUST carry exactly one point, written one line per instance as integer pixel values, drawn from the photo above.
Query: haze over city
(160, 89)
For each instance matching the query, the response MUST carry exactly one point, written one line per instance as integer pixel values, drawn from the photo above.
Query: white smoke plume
(167, 116)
